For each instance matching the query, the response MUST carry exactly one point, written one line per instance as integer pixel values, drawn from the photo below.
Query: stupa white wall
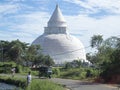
(58, 43)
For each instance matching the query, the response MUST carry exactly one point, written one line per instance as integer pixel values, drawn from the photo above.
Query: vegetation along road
(75, 84)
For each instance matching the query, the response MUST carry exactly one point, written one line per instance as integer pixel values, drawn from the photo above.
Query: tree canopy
(21, 52)
(107, 58)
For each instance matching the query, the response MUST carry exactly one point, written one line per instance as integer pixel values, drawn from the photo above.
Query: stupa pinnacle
(57, 19)
(57, 23)
(58, 43)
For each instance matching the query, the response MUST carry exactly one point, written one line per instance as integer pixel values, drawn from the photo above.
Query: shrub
(82, 75)
(56, 71)
(5, 67)
(90, 72)
(22, 69)
(18, 69)
(79, 73)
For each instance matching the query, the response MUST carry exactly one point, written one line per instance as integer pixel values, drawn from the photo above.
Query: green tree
(48, 61)
(111, 69)
(107, 48)
(21, 52)
(96, 41)
(4, 46)
(68, 65)
(17, 50)
(32, 53)
(107, 57)
(77, 63)
(104, 47)
(92, 57)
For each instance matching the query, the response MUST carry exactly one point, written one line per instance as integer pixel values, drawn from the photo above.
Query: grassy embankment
(36, 84)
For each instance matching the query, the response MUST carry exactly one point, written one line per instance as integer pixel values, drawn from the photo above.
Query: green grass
(19, 82)
(44, 85)
(36, 84)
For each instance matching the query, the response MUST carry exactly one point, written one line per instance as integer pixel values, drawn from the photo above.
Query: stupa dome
(58, 43)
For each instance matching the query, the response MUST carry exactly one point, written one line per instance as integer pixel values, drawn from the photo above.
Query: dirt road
(80, 85)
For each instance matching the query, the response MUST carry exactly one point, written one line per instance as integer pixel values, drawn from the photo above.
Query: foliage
(68, 65)
(21, 53)
(112, 68)
(78, 73)
(105, 49)
(7, 66)
(107, 58)
(31, 53)
(73, 64)
(44, 60)
(36, 84)
(56, 71)
(22, 69)
(92, 58)
(96, 41)
(47, 61)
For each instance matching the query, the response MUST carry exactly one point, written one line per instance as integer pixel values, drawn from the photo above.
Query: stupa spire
(57, 19)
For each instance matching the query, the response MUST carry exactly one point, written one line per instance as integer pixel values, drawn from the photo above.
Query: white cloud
(27, 27)
(32, 22)
(8, 8)
(93, 6)
(86, 27)
(24, 26)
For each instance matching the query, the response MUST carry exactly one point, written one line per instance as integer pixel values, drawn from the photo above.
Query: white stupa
(58, 43)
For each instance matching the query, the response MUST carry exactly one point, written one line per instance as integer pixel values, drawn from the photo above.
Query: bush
(5, 67)
(82, 75)
(21, 69)
(79, 73)
(75, 73)
(18, 69)
(56, 71)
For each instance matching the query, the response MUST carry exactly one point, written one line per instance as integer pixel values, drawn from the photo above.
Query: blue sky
(25, 19)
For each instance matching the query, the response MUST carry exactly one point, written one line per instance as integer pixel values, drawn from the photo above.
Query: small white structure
(58, 43)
